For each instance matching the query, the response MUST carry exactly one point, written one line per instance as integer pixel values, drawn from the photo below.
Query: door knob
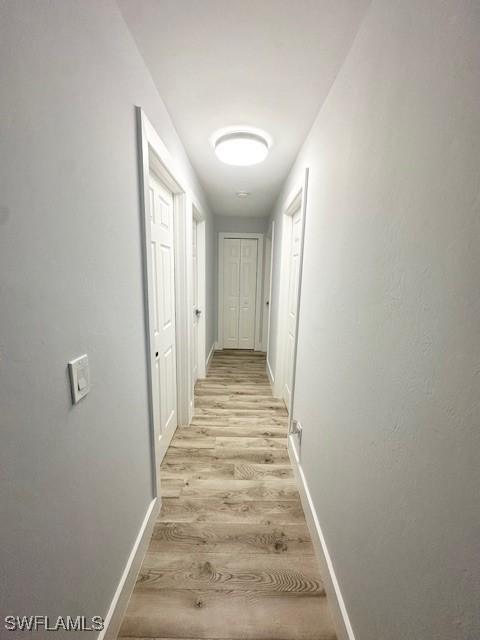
(198, 312)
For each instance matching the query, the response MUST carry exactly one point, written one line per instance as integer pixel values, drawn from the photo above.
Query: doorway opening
(267, 296)
(293, 224)
(163, 207)
(197, 302)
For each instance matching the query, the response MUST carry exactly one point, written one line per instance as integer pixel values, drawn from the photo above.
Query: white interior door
(266, 292)
(195, 310)
(240, 262)
(293, 282)
(164, 374)
(248, 293)
(231, 292)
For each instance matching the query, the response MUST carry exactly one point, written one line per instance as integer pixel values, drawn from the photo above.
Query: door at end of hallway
(239, 282)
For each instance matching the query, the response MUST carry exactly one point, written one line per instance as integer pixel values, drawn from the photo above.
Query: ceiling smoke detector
(241, 146)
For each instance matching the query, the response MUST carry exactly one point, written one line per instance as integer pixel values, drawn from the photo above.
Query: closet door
(248, 293)
(231, 292)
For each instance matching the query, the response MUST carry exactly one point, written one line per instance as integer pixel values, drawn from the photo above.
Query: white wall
(241, 224)
(75, 481)
(389, 343)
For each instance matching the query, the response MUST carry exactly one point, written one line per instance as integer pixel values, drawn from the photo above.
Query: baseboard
(270, 375)
(210, 355)
(335, 600)
(118, 606)
(165, 441)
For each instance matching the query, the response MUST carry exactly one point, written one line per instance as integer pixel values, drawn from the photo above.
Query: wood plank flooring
(230, 557)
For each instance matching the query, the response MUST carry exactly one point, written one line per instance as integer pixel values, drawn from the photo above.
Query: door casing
(195, 305)
(268, 296)
(267, 280)
(154, 157)
(198, 216)
(258, 299)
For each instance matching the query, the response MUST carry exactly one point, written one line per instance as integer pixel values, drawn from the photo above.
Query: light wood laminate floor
(230, 557)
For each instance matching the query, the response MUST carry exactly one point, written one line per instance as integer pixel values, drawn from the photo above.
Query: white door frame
(154, 157)
(268, 296)
(258, 298)
(297, 197)
(198, 215)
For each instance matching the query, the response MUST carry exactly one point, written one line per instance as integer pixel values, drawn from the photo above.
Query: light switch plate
(296, 438)
(79, 372)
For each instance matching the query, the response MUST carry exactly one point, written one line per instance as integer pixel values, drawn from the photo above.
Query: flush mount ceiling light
(241, 146)
(242, 194)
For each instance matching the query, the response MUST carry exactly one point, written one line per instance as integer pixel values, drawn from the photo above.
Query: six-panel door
(164, 381)
(240, 267)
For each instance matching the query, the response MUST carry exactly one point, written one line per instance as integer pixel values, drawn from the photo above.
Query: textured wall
(75, 482)
(389, 344)
(243, 224)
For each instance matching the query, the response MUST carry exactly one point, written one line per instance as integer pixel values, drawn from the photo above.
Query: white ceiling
(263, 63)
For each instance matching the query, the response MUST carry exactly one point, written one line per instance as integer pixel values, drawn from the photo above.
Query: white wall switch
(79, 377)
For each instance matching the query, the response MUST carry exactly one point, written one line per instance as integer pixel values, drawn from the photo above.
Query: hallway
(231, 555)
(214, 213)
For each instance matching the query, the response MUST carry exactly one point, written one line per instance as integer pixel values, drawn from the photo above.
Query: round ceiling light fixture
(241, 146)
(242, 194)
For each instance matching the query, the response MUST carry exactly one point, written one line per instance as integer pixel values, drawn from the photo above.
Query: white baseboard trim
(165, 441)
(271, 377)
(261, 347)
(335, 599)
(119, 603)
(210, 355)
